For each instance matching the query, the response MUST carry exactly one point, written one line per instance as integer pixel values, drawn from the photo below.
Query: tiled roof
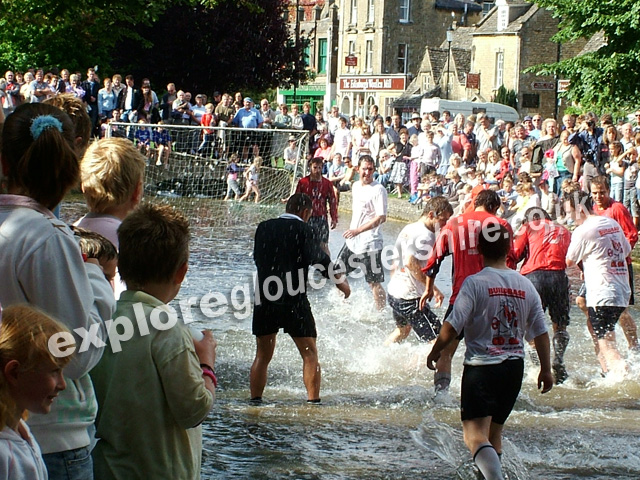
(459, 5)
(519, 14)
(462, 38)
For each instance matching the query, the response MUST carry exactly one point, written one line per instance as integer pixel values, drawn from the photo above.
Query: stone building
(381, 45)
(513, 36)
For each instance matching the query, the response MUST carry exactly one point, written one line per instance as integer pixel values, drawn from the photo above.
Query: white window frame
(405, 11)
(426, 82)
(405, 59)
(353, 19)
(371, 13)
(352, 51)
(499, 81)
(368, 64)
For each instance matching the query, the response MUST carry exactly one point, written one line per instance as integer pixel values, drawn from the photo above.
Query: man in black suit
(128, 101)
(91, 87)
(284, 249)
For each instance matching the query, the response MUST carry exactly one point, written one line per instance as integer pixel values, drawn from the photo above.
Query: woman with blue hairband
(41, 264)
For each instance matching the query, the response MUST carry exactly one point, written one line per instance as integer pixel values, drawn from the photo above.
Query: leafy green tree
(229, 47)
(609, 77)
(73, 34)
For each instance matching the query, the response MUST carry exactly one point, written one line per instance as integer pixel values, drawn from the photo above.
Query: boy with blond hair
(112, 175)
(161, 373)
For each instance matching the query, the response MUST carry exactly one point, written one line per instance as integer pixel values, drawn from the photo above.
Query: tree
(232, 46)
(76, 35)
(506, 97)
(609, 77)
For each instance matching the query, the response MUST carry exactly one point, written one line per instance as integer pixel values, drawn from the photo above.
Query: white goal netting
(190, 166)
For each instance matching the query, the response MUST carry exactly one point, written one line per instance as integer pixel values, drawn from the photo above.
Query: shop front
(312, 93)
(356, 94)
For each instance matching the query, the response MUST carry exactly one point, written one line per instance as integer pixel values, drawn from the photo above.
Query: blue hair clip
(40, 123)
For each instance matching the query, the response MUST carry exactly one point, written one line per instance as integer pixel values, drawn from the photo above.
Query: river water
(379, 418)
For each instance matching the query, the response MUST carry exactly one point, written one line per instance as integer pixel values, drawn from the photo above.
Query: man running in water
(363, 244)
(497, 309)
(321, 192)
(459, 238)
(413, 246)
(543, 245)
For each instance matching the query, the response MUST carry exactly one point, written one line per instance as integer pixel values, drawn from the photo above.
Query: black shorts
(490, 390)
(604, 318)
(320, 228)
(424, 322)
(295, 319)
(370, 263)
(631, 299)
(553, 288)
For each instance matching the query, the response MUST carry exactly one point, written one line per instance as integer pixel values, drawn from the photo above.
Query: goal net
(192, 167)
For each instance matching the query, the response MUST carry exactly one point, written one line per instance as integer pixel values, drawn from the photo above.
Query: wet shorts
(553, 288)
(320, 228)
(490, 390)
(424, 322)
(604, 318)
(369, 262)
(295, 319)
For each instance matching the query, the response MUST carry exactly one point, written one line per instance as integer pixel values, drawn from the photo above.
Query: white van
(493, 110)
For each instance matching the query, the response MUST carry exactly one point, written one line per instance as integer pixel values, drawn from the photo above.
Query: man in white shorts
(363, 245)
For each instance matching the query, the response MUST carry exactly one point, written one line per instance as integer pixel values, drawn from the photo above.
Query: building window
(370, 13)
(404, 10)
(369, 56)
(306, 55)
(388, 106)
(426, 83)
(499, 69)
(402, 57)
(352, 51)
(322, 55)
(487, 5)
(530, 100)
(354, 12)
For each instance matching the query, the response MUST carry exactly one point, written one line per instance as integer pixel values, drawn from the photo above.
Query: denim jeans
(70, 464)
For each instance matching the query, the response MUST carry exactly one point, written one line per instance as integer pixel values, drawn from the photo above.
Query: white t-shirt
(415, 240)
(602, 247)
(342, 140)
(369, 202)
(497, 308)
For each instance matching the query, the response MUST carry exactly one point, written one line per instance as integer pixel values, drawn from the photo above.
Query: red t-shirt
(543, 245)
(459, 237)
(320, 192)
(618, 212)
(205, 121)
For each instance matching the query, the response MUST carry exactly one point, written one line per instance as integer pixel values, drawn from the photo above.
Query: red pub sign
(372, 83)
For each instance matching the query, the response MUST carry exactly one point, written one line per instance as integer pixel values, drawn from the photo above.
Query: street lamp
(449, 40)
(298, 59)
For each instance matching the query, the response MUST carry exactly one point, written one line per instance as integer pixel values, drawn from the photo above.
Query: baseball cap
(248, 99)
(528, 117)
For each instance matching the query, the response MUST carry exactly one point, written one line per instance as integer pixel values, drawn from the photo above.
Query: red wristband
(207, 371)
